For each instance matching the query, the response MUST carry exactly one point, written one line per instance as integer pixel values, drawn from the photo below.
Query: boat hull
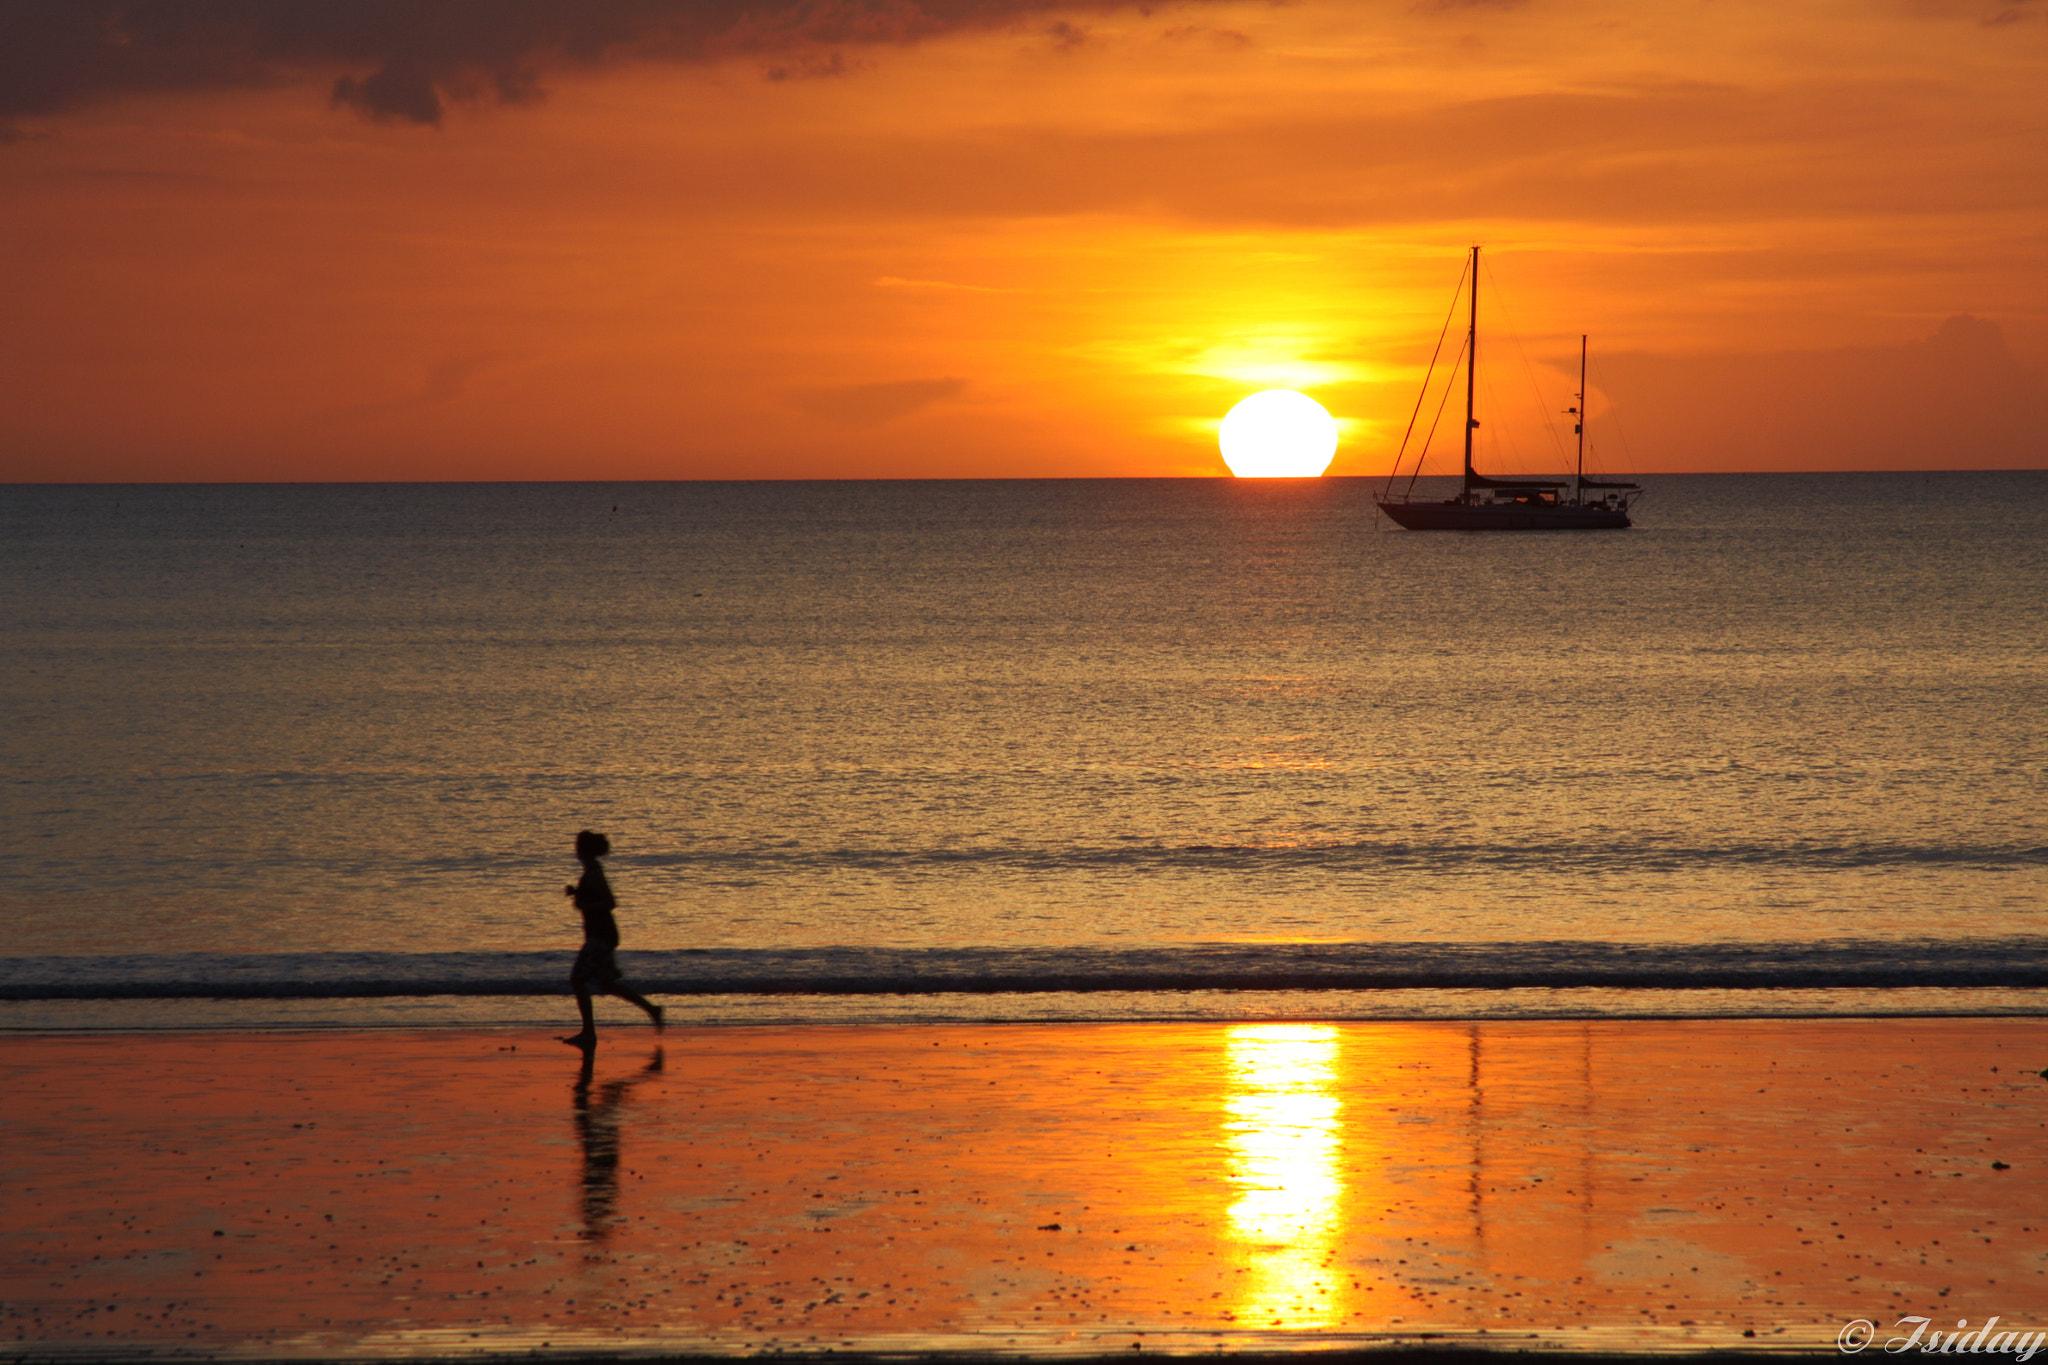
(1460, 516)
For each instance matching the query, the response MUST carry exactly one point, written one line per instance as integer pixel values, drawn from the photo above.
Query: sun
(1278, 434)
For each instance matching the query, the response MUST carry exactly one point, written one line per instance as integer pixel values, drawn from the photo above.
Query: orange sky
(789, 238)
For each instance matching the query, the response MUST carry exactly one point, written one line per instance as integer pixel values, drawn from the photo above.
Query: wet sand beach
(1601, 1186)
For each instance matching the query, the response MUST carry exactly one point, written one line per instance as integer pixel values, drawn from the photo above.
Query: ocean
(1021, 749)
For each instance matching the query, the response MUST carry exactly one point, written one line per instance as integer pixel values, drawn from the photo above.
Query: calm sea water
(1133, 728)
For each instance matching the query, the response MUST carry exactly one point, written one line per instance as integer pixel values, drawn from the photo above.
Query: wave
(1432, 856)
(1831, 964)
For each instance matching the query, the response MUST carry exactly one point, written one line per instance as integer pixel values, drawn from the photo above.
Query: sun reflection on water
(1283, 1136)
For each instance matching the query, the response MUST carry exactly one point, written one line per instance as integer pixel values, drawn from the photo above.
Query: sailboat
(1489, 504)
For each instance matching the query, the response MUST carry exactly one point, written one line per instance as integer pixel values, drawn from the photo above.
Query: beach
(1047, 1189)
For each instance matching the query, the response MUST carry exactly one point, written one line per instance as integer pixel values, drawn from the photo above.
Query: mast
(1471, 368)
(1579, 487)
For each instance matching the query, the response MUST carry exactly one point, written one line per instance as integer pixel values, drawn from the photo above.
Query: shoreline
(31, 1017)
(1602, 1187)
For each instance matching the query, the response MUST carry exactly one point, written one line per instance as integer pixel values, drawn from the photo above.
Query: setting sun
(1278, 434)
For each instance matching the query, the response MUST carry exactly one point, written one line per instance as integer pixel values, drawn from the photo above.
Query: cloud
(1956, 400)
(871, 405)
(2015, 12)
(444, 382)
(1696, 154)
(944, 286)
(404, 60)
(1066, 37)
(1221, 37)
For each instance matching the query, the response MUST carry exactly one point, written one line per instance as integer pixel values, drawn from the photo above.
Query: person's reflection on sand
(598, 1114)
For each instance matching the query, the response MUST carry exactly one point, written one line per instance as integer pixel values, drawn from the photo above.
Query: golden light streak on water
(1283, 1138)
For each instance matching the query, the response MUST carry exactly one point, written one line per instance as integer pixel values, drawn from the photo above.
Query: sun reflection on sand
(1283, 1138)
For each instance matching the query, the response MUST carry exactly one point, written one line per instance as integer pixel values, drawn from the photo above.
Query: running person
(596, 969)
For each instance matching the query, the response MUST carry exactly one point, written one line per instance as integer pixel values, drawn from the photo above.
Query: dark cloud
(870, 405)
(1067, 37)
(404, 60)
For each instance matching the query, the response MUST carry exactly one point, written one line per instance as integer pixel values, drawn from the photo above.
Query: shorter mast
(1471, 369)
(1579, 427)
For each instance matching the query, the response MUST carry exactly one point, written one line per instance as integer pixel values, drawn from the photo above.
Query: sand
(1036, 1188)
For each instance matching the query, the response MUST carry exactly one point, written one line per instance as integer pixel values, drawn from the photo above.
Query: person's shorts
(596, 969)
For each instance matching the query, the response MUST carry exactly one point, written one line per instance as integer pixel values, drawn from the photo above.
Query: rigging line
(1499, 436)
(1422, 394)
(1549, 424)
(1441, 403)
(1613, 417)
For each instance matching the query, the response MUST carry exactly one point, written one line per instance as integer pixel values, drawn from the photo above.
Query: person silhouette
(597, 969)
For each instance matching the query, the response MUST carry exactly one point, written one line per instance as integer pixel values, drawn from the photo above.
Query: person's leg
(588, 1038)
(654, 1012)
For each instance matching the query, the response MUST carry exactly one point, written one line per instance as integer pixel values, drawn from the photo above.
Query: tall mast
(1580, 426)
(1471, 367)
